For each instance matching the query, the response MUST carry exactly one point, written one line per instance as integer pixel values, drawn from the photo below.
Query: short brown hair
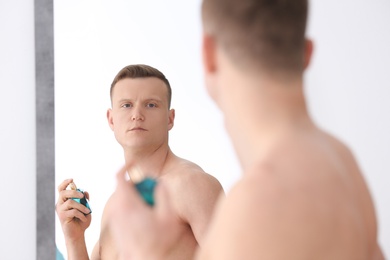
(141, 71)
(265, 33)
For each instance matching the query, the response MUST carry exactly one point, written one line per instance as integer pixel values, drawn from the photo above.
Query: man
(301, 195)
(141, 118)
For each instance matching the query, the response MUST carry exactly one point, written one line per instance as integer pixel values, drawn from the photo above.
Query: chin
(136, 145)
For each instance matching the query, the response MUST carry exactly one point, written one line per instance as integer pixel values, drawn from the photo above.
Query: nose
(137, 118)
(137, 115)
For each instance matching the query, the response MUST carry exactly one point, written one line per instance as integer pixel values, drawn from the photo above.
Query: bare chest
(184, 249)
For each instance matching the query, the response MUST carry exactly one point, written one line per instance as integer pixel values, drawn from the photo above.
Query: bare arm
(77, 249)
(73, 221)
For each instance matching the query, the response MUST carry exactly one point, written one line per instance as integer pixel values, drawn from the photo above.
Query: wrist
(76, 248)
(74, 241)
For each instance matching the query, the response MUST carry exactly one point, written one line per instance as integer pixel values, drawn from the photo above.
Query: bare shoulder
(281, 219)
(187, 177)
(194, 194)
(191, 185)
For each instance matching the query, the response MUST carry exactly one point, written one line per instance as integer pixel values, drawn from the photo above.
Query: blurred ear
(210, 64)
(209, 54)
(171, 119)
(308, 52)
(110, 119)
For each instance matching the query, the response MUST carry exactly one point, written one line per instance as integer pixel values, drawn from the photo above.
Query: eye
(151, 105)
(127, 105)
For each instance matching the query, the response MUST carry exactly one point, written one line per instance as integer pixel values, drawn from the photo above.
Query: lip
(138, 129)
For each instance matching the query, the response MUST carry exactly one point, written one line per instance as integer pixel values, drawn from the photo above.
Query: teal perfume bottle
(146, 189)
(144, 185)
(83, 200)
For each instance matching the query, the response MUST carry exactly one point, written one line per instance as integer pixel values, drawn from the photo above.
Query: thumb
(86, 195)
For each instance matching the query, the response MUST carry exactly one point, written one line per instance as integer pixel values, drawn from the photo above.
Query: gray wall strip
(44, 73)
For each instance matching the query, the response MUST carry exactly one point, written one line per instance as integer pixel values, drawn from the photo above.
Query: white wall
(346, 88)
(17, 132)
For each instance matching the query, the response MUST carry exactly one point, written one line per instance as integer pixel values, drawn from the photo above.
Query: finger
(69, 194)
(71, 204)
(64, 184)
(74, 213)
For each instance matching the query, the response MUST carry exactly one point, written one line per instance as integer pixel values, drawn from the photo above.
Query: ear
(210, 64)
(209, 54)
(171, 119)
(308, 52)
(110, 119)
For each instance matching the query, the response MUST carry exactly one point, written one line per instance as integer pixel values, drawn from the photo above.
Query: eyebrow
(125, 100)
(157, 100)
(154, 99)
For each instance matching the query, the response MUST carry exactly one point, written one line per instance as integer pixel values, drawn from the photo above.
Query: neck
(268, 110)
(151, 162)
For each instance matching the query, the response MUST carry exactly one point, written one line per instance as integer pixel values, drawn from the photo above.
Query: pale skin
(140, 120)
(301, 195)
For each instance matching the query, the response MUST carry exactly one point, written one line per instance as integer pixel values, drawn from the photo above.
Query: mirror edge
(45, 141)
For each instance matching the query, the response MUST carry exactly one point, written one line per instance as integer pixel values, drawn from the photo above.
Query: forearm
(77, 249)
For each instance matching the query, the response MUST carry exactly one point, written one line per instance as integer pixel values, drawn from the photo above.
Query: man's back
(193, 194)
(305, 199)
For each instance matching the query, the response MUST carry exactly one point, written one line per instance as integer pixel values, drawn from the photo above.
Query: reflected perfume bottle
(83, 200)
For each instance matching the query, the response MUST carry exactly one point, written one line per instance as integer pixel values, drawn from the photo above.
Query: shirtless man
(302, 194)
(140, 118)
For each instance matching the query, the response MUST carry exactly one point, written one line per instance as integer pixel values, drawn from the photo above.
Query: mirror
(93, 41)
(347, 89)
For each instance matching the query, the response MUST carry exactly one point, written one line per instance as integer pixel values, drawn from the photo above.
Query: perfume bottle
(144, 185)
(83, 200)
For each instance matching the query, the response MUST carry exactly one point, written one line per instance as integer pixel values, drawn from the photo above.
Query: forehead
(145, 87)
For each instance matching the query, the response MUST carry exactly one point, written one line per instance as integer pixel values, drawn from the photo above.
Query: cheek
(120, 123)
(157, 121)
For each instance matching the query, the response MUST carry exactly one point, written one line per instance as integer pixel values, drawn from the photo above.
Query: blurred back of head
(259, 34)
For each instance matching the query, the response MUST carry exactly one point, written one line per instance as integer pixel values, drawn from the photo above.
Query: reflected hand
(142, 231)
(71, 214)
